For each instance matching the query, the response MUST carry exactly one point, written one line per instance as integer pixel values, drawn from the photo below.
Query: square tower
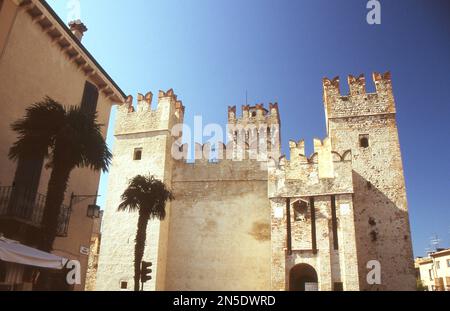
(256, 134)
(142, 145)
(366, 124)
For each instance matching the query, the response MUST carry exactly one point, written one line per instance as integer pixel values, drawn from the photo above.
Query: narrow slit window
(334, 222)
(364, 141)
(137, 154)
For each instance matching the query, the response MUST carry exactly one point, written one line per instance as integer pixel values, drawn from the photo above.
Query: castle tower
(142, 145)
(256, 134)
(366, 124)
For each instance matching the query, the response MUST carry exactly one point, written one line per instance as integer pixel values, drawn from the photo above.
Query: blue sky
(212, 52)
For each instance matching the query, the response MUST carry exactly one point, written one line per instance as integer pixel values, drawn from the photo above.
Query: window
(300, 210)
(364, 141)
(438, 264)
(448, 262)
(430, 272)
(90, 98)
(25, 185)
(123, 285)
(334, 223)
(137, 154)
(338, 287)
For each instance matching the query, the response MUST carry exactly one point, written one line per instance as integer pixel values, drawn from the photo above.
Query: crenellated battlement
(255, 114)
(323, 154)
(215, 153)
(256, 133)
(325, 171)
(216, 162)
(358, 102)
(142, 117)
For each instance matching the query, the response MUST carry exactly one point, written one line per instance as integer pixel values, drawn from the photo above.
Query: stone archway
(303, 277)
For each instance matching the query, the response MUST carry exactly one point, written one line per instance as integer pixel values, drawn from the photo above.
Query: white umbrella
(13, 251)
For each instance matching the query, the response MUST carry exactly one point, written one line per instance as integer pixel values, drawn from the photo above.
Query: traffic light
(146, 271)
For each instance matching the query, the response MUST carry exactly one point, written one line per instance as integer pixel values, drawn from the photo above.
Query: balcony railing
(28, 207)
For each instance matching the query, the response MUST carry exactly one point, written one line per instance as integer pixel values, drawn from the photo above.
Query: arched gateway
(303, 277)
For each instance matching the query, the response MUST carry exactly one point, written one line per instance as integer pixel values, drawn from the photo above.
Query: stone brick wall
(148, 130)
(381, 214)
(300, 178)
(219, 235)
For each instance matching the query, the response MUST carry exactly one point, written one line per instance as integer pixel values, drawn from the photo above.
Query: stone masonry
(254, 220)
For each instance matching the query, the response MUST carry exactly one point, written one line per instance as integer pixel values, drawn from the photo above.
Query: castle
(258, 221)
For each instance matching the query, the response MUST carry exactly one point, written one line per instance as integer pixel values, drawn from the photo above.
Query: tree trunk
(139, 248)
(57, 186)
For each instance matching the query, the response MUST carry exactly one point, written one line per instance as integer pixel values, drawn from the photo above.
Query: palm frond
(37, 130)
(81, 143)
(147, 195)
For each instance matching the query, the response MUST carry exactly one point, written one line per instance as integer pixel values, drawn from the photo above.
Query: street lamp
(93, 210)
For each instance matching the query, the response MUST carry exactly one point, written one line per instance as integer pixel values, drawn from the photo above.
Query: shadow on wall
(382, 234)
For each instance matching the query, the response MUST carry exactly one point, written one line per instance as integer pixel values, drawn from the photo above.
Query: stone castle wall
(381, 213)
(228, 227)
(219, 235)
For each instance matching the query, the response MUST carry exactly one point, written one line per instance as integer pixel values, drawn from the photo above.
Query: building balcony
(27, 207)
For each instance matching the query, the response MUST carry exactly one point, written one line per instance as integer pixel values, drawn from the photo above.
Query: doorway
(303, 277)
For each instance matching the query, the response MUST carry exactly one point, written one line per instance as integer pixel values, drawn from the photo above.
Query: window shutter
(90, 98)
(26, 184)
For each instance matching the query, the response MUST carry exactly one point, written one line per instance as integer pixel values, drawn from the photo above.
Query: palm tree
(69, 138)
(148, 196)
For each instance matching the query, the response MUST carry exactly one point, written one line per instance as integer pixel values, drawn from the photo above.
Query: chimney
(78, 28)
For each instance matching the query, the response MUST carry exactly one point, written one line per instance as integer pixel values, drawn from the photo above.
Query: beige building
(254, 220)
(434, 270)
(40, 56)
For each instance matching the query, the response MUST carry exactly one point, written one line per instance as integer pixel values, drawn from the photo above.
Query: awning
(13, 251)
